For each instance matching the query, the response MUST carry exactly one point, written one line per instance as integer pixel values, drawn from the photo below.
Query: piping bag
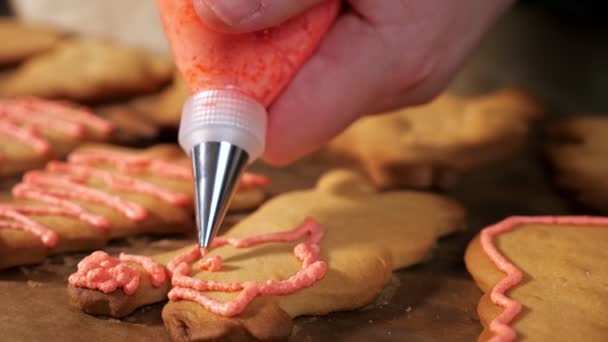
(233, 79)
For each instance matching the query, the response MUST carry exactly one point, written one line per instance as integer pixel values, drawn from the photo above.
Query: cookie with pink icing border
(34, 131)
(101, 193)
(308, 252)
(544, 278)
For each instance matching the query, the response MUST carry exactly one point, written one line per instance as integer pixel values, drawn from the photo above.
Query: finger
(238, 16)
(351, 74)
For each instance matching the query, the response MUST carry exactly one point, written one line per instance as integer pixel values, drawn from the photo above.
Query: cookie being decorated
(432, 145)
(544, 278)
(103, 193)
(308, 252)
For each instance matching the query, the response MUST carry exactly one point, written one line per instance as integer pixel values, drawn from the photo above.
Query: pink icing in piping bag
(233, 79)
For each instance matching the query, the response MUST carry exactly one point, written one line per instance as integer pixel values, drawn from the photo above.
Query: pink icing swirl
(500, 325)
(189, 288)
(102, 272)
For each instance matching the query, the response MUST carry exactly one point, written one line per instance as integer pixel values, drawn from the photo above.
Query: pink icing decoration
(67, 112)
(138, 164)
(157, 272)
(106, 274)
(14, 219)
(40, 186)
(64, 183)
(121, 182)
(189, 288)
(20, 119)
(251, 180)
(100, 271)
(133, 164)
(500, 325)
(25, 135)
(212, 264)
(61, 184)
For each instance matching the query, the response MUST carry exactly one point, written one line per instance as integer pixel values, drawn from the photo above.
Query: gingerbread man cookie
(306, 252)
(21, 41)
(577, 152)
(89, 69)
(102, 193)
(544, 278)
(431, 145)
(34, 131)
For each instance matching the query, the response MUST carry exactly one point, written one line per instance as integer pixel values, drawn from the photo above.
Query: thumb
(238, 16)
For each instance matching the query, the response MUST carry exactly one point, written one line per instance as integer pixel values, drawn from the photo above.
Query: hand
(379, 55)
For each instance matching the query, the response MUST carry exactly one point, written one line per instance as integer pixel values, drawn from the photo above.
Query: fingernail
(234, 12)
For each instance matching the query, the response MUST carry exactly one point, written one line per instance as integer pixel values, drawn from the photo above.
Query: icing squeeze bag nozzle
(233, 79)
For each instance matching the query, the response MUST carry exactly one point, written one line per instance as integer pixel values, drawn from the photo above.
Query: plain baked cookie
(431, 145)
(21, 41)
(366, 235)
(164, 108)
(161, 109)
(578, 152)
(544, 278)
(89, 69)
(102, 193)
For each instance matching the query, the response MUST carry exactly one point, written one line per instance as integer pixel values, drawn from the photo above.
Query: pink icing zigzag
(500, 325)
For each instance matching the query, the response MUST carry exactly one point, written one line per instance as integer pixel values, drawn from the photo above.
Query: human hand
(379, 55)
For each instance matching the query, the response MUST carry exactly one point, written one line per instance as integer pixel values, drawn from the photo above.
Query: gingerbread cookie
(165, 108)
(21, 41)
(87, 69)
(302, 253)
(431, 145)
(544, 278)
(162, 109)
(102, 193)
(577, 152)
(130, 126)
(34, 131)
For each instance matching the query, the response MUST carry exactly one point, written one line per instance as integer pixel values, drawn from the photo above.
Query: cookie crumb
(34, 284)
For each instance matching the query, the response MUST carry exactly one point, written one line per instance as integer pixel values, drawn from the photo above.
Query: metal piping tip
(217, 167)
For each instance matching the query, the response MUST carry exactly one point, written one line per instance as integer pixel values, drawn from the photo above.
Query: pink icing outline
(500, 325)
(189, 288)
